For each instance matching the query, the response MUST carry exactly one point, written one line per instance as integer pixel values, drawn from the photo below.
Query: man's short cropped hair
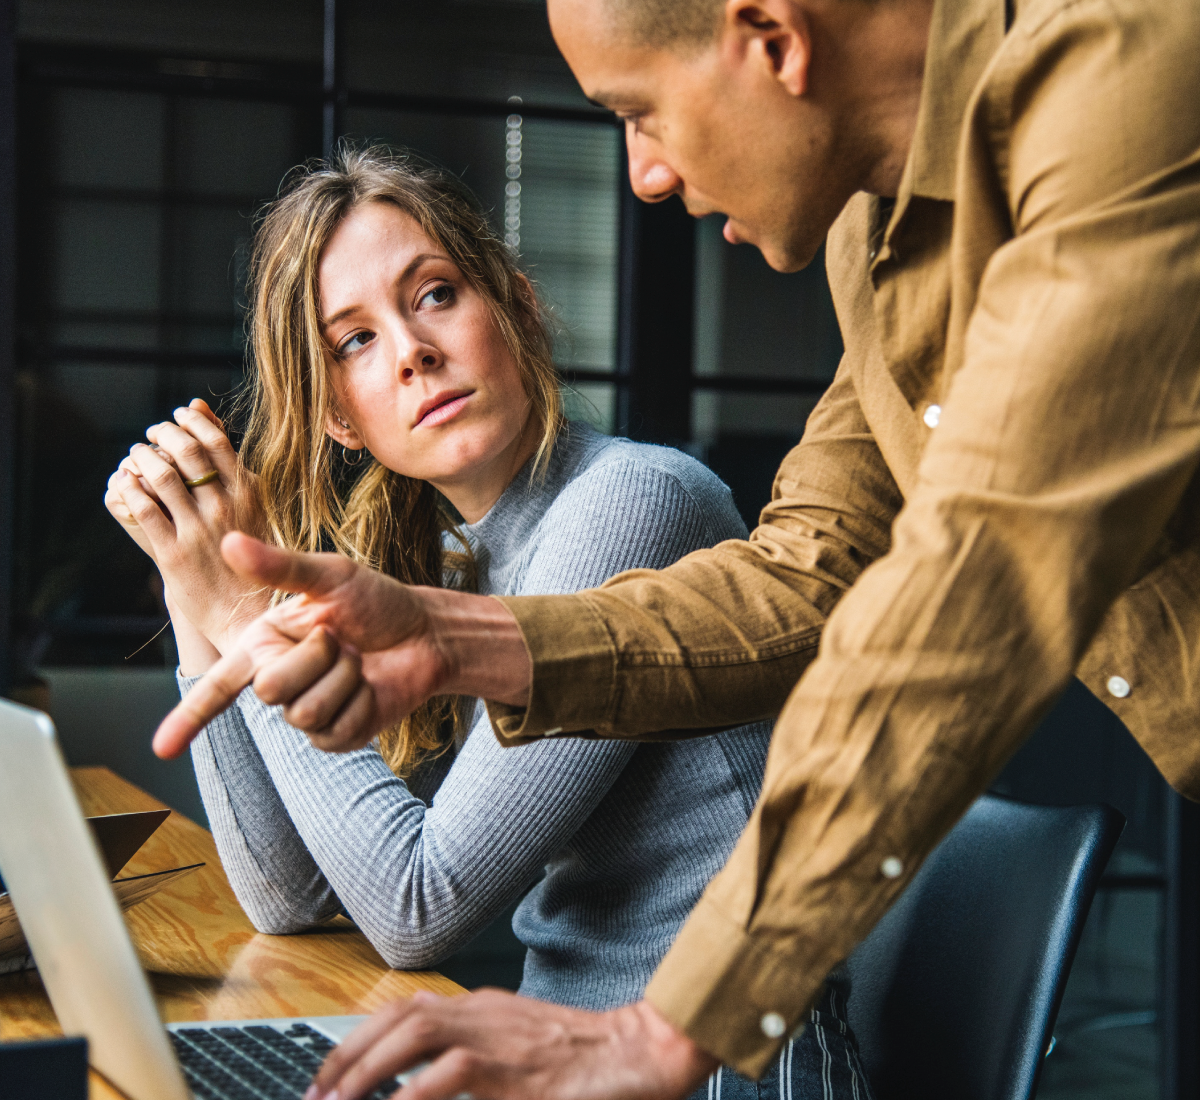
(665, 23)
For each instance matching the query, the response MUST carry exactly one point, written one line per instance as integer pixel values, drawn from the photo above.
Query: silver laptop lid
(76, 933)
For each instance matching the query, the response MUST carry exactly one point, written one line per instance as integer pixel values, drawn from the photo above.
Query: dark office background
(137, 140)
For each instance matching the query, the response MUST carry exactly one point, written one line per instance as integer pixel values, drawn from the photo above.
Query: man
(998, 491)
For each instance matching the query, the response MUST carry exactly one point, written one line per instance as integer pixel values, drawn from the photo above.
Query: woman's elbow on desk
(279, 916)
(418, 953)
(415, 948)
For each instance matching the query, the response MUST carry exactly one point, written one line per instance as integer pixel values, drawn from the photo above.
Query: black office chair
(956, 989)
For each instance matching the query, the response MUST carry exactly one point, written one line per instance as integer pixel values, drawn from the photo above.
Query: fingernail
(181, 409)
(313, 1093)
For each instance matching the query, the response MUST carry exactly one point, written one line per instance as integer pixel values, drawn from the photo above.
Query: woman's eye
(355, 343)
(438, 296)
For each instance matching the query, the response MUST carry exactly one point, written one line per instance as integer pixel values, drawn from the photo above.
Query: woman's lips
(440, 413)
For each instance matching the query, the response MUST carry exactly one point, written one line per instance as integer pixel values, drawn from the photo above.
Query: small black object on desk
(44, 1069)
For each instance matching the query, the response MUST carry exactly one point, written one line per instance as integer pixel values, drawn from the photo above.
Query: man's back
(1047, 236)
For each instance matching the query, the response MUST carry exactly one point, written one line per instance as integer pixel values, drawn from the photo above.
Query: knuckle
(426, 1028)
(267, 688)
(302, 715)
(144, 508)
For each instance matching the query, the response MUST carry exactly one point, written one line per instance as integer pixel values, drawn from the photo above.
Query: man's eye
(438, 296)
(355, 343)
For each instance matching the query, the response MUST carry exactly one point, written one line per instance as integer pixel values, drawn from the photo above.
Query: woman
(405, 411)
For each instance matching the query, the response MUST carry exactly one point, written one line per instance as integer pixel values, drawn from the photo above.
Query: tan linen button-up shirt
(998, 491)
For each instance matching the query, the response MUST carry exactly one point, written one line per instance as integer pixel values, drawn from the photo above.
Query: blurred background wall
(146, 137)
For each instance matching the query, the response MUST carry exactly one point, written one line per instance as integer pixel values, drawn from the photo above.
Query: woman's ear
(340, 431)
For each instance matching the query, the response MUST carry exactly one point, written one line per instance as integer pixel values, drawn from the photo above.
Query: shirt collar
(963, 37)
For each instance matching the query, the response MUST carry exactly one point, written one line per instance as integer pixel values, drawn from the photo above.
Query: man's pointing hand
(353, 652)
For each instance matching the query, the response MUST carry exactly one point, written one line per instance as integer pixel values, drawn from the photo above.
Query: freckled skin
(407, 328)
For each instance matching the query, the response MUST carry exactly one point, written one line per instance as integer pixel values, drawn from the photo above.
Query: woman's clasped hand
(181, 528)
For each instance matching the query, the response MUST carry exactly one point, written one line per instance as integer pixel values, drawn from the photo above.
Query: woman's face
(422, 376)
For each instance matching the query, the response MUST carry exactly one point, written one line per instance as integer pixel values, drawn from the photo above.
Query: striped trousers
(821, 1063)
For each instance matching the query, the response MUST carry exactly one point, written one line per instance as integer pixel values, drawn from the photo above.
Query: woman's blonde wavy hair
(312, 499)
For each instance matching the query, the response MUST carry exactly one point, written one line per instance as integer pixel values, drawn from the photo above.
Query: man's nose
(650, 176)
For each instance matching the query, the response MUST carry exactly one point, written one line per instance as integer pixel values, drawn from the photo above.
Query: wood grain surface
(203, 957)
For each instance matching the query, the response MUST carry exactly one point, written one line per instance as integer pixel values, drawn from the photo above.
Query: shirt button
(1118, 687)
(933, 414)
(891, 867)
(773, 1025)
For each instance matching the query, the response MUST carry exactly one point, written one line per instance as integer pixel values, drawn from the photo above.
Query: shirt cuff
(574, 670)
(737, 996)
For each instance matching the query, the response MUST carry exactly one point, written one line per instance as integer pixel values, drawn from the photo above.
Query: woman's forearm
(196, 653)
(420, 881)
(273, 875)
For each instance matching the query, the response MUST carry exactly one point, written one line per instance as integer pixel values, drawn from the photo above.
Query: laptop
(64, 900)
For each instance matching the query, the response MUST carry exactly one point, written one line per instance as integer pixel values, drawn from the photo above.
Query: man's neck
(882, 69)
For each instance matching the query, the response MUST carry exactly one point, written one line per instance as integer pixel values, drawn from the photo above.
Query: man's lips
(441, 407)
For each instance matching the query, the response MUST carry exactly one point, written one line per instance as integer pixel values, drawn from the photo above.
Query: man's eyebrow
(409, 268)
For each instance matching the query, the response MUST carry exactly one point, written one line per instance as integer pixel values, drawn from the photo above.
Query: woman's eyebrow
(417, 261)
(409, 268)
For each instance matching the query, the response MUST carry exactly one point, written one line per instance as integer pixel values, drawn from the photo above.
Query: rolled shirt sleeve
(719, 638)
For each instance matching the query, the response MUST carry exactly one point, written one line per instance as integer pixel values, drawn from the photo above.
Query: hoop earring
(346, 457)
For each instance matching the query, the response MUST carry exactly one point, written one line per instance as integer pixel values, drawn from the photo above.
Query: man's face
(716, 126)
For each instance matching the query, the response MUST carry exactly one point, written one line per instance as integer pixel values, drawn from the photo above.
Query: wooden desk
(203, 957)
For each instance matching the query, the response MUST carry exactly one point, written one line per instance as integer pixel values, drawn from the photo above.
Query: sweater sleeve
(275, 878)
(421, 880)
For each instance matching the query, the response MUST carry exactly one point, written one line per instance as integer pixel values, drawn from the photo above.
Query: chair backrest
(956, 990)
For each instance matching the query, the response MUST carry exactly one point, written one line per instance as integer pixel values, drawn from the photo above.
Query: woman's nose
(429, 361)
(415, 356)
(650, 176)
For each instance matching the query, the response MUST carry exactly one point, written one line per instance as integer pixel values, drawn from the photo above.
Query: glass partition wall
(149, 134)
(142, 166)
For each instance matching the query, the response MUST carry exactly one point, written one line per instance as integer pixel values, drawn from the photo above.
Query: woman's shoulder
(616, 472)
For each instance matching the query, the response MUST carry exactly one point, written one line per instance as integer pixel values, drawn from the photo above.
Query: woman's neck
(474, 496)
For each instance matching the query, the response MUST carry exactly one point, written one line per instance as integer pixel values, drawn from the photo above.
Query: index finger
(212, 437)
(201, 406)
(211, 695)
(357, 1043)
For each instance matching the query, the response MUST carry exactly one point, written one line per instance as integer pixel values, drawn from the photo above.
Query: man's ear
(338, 430)
(777, 33)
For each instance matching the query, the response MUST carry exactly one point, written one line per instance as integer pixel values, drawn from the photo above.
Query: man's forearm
(482, 648)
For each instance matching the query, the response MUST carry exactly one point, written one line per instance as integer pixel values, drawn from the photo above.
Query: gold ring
(208, 478)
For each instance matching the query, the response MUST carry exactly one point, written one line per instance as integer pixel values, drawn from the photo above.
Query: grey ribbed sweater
(623, 837)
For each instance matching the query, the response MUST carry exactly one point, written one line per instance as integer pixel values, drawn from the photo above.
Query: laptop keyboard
(253, 1063)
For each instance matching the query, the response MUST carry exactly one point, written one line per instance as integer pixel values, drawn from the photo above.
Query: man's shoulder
(1148, 40)
(1032, 18)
